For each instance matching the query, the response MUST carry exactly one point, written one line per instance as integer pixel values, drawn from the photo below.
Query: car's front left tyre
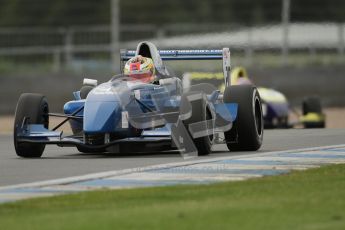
(200, 113)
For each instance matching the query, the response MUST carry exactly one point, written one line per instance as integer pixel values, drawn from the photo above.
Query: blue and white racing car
(125, 114)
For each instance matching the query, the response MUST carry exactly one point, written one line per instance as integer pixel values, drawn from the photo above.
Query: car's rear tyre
(314, 125)
(85, 90)
(200, 112)
(311, 105)
(35, 108)
(247, 131)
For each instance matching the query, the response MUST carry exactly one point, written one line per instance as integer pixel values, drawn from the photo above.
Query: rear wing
(169, 55)
(179, 54)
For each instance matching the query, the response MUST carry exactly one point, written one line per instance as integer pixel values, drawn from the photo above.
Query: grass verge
(312, 199)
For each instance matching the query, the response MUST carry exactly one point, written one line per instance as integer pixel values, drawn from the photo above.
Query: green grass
(312, 199)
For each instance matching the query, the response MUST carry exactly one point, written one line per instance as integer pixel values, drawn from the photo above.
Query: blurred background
(294, 46)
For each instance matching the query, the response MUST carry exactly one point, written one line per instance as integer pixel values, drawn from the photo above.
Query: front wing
(37, 133)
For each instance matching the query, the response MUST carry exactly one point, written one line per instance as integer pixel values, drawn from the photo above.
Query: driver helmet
(140, 68)
(239, 76)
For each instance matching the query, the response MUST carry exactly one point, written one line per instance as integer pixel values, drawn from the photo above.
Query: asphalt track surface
(66, 162)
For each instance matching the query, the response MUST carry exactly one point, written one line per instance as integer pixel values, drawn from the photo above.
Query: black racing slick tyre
(311, 105)
(247, 131)
(200, 112)
(85, 90)
(34, 108)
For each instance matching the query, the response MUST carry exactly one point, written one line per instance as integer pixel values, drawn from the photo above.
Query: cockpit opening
(144, 50)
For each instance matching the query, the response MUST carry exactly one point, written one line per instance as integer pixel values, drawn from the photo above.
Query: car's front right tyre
(34, 108)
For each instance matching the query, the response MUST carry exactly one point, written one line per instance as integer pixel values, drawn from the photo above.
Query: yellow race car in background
(275, 106)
